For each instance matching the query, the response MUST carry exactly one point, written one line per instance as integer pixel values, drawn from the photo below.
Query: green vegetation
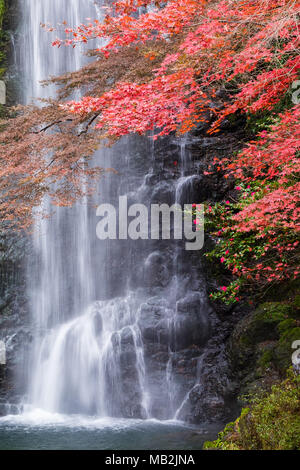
(272, 422)
(2, 11)
(263, 339)
(260, 351)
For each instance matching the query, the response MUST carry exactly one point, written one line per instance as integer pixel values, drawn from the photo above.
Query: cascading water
(63, 284)
(119, 325)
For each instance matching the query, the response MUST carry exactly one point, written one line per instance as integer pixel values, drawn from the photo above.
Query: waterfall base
(118, 359)
(38, 430)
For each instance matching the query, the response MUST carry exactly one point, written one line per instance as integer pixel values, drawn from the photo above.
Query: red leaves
(166, 102)
(274, 155)
(254, 43)
(249, 47)
(278, 209)
(122, 29)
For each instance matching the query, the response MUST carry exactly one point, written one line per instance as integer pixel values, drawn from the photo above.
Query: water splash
(79, 366)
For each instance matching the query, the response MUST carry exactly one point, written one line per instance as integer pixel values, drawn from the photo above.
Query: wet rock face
(154, 321)
(14, 329)
(157, 270)
(131, 397)
(186, 369)
(192, 322)
(16, 335)
(192, 189)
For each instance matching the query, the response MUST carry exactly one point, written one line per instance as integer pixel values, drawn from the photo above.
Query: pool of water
(38, 430)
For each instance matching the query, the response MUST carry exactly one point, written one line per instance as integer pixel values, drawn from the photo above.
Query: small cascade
(184, 155)
(13, 49)
(178, 413)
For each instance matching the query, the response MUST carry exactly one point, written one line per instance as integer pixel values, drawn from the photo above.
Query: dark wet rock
(154, 322)
(191, 323)
(192, 189)
(156, 270)
(163, 193)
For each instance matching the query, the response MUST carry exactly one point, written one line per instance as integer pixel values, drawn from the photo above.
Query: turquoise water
(41, 431)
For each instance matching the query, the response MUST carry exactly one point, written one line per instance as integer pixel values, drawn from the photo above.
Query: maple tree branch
(51, 125)
(89, 124)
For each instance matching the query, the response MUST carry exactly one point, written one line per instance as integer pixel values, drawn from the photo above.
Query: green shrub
(272, 422)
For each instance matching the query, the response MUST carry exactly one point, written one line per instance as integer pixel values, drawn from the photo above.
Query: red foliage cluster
(122, 29)
(186, 51)
(278, 208)
(133, 107)
(274, 214)
(274, 155)
(252, 45)
(274, 161)
(259, 240)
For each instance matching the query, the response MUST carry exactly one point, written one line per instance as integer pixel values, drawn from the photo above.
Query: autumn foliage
(250, 45)
(166, 63)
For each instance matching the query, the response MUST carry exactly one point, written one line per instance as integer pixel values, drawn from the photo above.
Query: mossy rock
(296, 304)
(256, 328)
(266, 355)
(220, 445)
(290, 335)
(260, 350)
(272, 422)
(275, 419)
(2, 11)
(262, 324)
(266, 318)
(283, 350)
(286, 325)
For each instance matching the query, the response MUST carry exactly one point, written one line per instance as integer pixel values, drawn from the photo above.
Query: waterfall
(115, 323)
(60, 279)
